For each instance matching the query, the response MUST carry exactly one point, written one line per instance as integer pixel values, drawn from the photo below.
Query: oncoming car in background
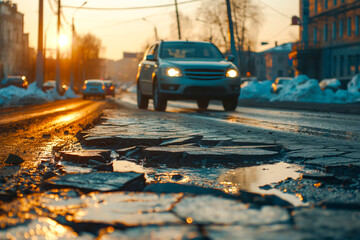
(109, 88)
(186, 70)
(279, 83)
(17, 81)
(49, 85)
(94, 88)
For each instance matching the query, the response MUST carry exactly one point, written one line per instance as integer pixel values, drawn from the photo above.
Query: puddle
(251, 178)
(232, 180)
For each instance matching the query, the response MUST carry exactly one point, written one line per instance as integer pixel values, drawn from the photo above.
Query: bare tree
(87, 52)
(246, 16)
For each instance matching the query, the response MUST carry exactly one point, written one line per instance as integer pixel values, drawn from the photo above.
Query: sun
(63, 40)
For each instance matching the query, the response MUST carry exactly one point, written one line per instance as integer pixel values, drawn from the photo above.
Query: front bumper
(189, 89)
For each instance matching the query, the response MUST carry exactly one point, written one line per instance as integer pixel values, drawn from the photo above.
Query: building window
(341, 28)
(357, 25)
(315, 6)
(325, 32)
(280, 59)
(315, 35)
(357, 63)
(335, 66)
(350, 64)
(342, 1)
(326, 4)
(335, 2)
(341, 65)
(349, 26)
(334, 30)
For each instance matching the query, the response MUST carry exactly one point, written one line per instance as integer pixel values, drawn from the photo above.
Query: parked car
(109, 88)
(94, 88)
(48, 85)
(332, 84)
(17, 81)
(51, 84)
(279, 83)
(187, 70)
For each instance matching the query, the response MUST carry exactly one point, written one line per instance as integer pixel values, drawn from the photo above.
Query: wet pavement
(147, 175)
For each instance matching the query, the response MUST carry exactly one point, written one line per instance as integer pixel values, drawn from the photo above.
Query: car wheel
(85, 97)
(230, 103)
(203, 103)
(142, 101)
(159, 101)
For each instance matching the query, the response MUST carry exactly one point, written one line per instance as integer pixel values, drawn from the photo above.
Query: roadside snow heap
(14, 96)
(301, 89)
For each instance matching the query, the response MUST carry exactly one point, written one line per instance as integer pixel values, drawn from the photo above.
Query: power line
(122, 22)
(274, 9)
(132, 8)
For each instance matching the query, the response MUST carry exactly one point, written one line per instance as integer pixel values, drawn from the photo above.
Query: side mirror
(150, 57)
(230, 57)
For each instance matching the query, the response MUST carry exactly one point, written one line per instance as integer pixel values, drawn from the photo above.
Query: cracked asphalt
(185, 174)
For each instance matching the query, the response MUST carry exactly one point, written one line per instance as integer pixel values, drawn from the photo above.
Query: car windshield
(93, 84)
(15, 81)
(182, 50)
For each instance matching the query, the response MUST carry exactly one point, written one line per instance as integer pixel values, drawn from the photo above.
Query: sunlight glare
(63, 40)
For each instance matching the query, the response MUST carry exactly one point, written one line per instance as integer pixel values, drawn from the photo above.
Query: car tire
(142, 101)
(158, 100)
(84, 97)
(203, 103)
(230, 103)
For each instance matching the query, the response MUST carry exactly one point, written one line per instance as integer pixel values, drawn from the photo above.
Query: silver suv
(186, 70)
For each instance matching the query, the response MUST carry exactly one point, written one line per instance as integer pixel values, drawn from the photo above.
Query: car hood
(198, 63)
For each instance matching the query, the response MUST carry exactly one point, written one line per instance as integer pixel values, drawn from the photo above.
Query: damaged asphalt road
(149, 175)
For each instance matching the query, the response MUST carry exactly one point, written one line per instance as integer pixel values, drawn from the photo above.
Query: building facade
(14, 44)
(274, 63)
(330, 39)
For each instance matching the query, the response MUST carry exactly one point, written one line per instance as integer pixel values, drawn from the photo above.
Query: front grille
(204, 91)
(205, 74)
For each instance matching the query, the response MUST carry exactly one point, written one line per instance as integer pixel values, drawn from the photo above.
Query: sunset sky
(125, 30)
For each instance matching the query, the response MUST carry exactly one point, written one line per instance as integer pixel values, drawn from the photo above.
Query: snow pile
(14, 96)
(256, 90)
(330, 83)
(354, 84)
(303, 89)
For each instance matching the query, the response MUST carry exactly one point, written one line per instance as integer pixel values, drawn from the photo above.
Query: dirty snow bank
(301, 89)
(14, 96)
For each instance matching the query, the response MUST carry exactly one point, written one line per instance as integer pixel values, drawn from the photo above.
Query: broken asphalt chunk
(13, 159)
(155, 232)
(192, 154)
(244, 196)
(215, 210)
(119, 208)
(85, 156)
(100, 181)
(42, 228)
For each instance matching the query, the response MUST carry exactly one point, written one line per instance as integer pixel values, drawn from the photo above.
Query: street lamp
(200, 20)
(72, 47)
(155, 29)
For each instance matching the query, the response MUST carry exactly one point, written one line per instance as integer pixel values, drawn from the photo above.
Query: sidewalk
(305, 106)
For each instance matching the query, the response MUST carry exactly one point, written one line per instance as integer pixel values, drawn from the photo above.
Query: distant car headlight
(232, 73)
(173, 72)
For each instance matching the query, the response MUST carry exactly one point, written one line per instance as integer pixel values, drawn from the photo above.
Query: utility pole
(72, 78)
(58, 48)
(177, 18)
(231, 29)
(40, 55)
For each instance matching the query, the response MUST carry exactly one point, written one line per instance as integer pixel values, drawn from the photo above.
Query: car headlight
(173, 72)
(232, 73)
